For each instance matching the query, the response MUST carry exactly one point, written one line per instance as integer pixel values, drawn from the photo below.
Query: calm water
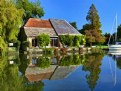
(89, 72)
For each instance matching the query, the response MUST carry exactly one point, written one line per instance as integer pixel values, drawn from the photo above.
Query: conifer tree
(92, 28)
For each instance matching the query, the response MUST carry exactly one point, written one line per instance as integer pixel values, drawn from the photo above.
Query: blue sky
(76, 11)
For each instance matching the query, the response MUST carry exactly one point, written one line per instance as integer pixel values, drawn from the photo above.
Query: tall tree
(93, 18)
(31, 9)
(10, 20)
(92, 29)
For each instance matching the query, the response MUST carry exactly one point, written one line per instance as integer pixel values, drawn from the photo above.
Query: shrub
(71, 60)
(43, 62)
(73, 40)
(43, 40)
(47, 50)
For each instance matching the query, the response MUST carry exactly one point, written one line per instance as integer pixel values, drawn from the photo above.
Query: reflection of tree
(117, 58)
(9, 77)
(36, 86)
(92, 65)
(11, 81)
(71, 60)
(24, 62)
(43, 62)
(119, 63)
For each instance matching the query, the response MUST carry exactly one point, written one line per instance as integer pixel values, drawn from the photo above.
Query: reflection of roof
(37, 74)
(62, 27)
(52, 73)
(38, 77)
(62, 72)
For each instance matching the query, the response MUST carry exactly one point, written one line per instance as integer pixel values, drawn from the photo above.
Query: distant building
(52, 27)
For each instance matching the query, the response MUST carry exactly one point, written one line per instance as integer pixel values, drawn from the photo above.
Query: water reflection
(32, 72)
(92, 65)
(11, 78)
(52, 67)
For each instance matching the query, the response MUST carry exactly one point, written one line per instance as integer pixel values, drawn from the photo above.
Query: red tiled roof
(34, 22)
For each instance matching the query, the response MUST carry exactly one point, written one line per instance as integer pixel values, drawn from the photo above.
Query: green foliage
(119, 33)
(31, 9)
(24, 45)
(12, 81)
(3, 46)
(93, 17)
(43, 40)
(92, 29)
(92, 36)
(72, 60)
(107, 36)
(10, 20)
(47, 50)
(92, 65)
(43, 62)
(36, 86)
(24, 62)
(72, 40)
(9, 78)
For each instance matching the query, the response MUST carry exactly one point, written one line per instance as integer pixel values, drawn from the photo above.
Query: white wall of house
(30, 42)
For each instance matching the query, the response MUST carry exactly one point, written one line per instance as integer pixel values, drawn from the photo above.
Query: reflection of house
(62, 72)
(52, 27)
(53, 73)
(37, 74)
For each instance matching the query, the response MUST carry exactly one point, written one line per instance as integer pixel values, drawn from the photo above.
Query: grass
(102, 46)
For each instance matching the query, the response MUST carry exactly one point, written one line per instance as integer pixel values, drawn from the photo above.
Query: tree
(31, 9)
(85, 27)
(93, 18)
(92, 29)
(108, 38)
(74, 25)
(10, 20)
(43, 40)
(119, 33)
(89, 37)
(2, 46)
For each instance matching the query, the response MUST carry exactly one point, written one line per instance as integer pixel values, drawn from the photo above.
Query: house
(52, 27)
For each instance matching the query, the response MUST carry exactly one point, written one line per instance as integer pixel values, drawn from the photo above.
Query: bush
(72, 60)
(73, 40)
(43, 62)
(43, 40)
(47, 50)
